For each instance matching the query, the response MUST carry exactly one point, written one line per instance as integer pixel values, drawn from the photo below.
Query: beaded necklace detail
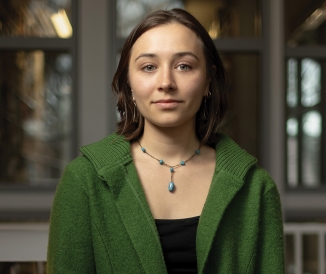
(171, 185)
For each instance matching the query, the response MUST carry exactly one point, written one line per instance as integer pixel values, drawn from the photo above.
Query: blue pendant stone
(161, 162)
(171, 169)
(197, 151)
(143, 149)
(171, 186)
(182, 163)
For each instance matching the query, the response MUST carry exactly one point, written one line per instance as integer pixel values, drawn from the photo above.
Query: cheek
(196, 87)
(141, 91)
(140, 85)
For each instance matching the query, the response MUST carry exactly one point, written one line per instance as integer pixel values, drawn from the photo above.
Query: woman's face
(167, 74)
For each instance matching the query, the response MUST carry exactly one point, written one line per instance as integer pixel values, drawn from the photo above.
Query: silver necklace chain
(171, 186)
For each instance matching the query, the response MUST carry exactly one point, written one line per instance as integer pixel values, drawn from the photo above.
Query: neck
(170, 143)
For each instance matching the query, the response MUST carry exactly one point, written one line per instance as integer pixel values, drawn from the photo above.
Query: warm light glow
(61, 24)
(214, 30)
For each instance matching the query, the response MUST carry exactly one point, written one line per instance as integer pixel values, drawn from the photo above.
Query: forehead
(172, 37)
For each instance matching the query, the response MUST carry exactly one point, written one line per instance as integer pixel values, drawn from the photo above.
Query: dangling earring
(205, 107)
(134, 118)
(135, 105)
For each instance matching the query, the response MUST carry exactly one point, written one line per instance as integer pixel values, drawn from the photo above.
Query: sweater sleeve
(270, 253)
(70, 247)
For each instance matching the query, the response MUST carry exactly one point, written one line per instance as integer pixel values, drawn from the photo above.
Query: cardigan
(101, 223)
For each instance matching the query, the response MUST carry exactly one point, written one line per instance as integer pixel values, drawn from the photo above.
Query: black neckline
(189, 219)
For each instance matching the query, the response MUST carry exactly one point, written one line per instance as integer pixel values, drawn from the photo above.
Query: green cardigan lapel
(221, 193)
(136, 216)
(232, 165)
(114, 166)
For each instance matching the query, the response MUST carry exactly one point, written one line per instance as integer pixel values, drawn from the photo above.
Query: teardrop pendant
(171, 186)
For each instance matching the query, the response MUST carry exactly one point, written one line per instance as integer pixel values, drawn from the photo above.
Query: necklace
(171, 185)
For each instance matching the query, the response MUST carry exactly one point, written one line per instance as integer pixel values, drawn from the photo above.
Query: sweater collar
(231, 158)
(109, 152)
(114, 150)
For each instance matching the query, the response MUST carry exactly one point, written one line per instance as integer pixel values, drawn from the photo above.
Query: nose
(166, 81)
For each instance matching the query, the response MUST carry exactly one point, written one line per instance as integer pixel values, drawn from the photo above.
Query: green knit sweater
(101, 222)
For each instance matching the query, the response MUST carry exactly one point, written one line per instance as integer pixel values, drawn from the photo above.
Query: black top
(178, 240)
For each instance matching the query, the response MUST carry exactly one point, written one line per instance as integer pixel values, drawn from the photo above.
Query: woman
(166, 193)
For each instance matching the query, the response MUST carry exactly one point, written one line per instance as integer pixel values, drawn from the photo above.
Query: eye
(183, 67)
(148, 68)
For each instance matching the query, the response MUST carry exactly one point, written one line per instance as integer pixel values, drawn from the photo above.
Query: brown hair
(208, 117)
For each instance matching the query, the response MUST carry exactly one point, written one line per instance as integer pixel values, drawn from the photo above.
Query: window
(305, 26)
(305, 120)
(37, 101)
(36, 122)
(304, 124)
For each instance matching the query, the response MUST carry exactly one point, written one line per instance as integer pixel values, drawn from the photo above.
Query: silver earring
(135, 109)
(133, 100)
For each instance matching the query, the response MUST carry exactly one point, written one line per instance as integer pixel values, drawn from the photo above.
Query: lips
(167, 103)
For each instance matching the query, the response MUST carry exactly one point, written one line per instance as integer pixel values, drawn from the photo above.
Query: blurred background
(57, 60)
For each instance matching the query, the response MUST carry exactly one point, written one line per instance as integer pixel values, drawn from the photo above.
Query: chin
(170, 123)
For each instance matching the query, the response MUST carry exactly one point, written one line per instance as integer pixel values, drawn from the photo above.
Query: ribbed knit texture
(101, 222)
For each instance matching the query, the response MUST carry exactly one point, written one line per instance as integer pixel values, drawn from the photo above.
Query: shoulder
(79, 167)
(85, 168)
(259, 178)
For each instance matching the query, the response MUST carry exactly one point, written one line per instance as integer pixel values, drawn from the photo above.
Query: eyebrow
(185, 53)
(177, 54)
(151, 55)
